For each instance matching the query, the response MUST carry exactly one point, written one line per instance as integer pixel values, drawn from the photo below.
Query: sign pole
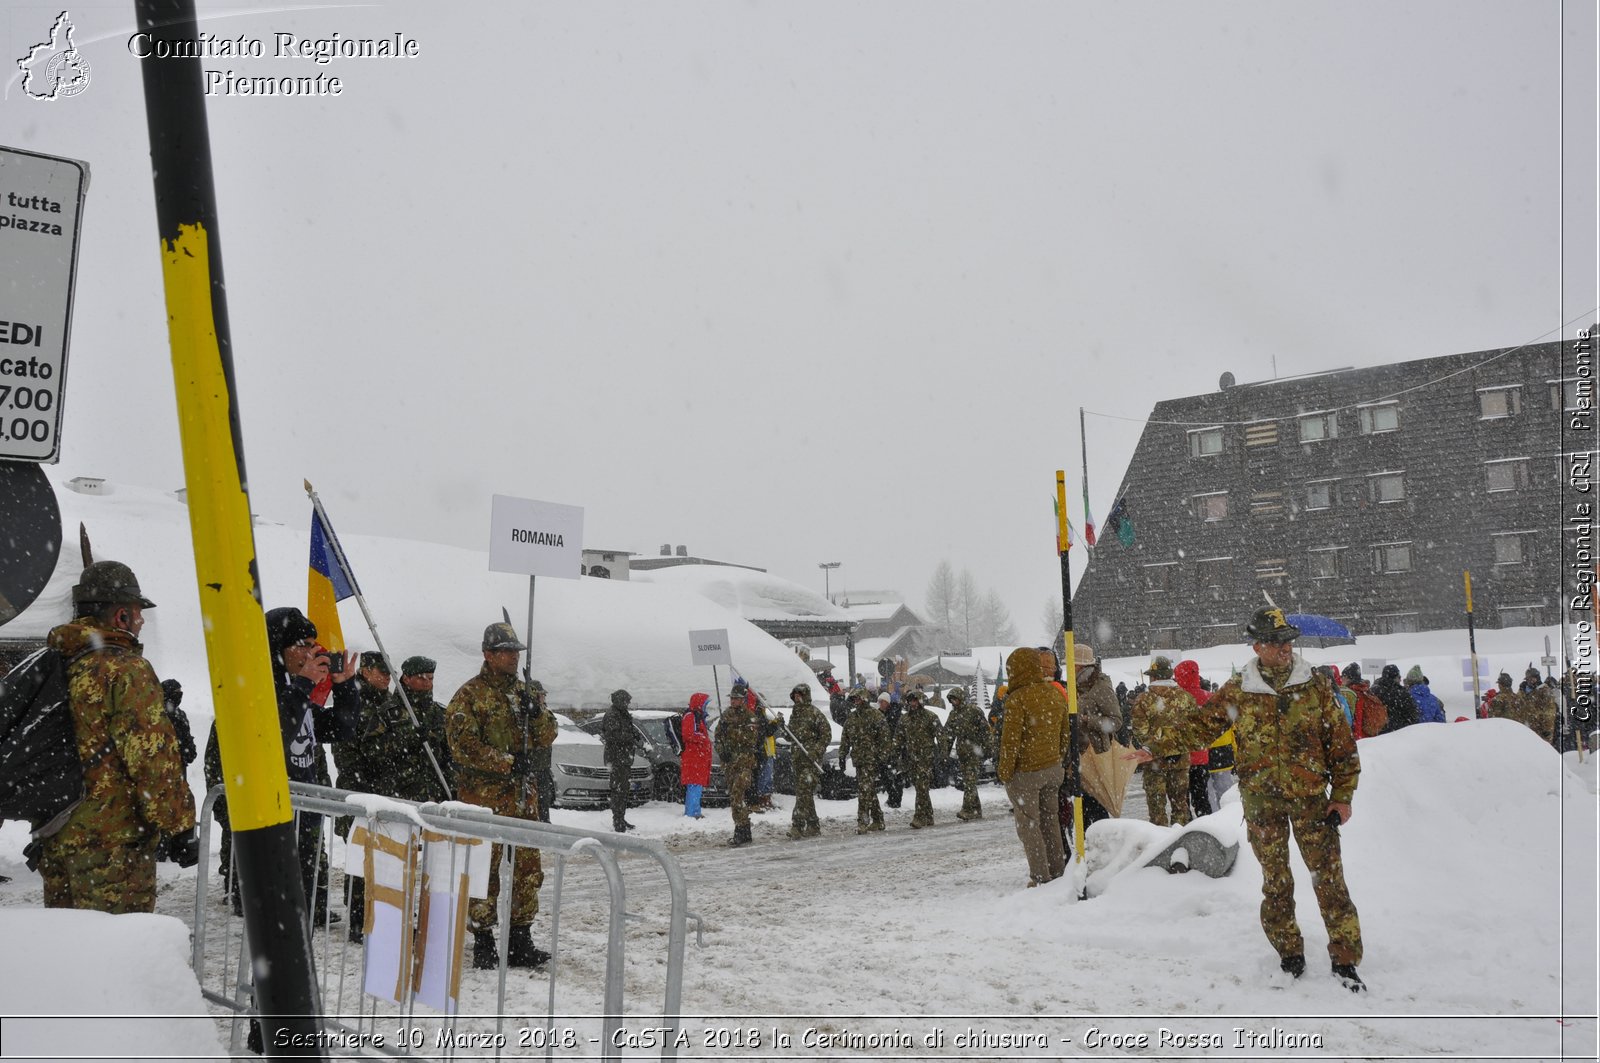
(1472, 646)
(527, 669)
(1070, 668)
(273, 901)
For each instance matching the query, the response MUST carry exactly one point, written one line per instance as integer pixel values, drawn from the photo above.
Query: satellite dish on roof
(1225, 381)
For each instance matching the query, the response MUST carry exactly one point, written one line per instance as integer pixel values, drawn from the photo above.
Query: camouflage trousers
(740, 773)
(1270, 821)
(527, 875)
(921, 783)
(1167, 779)
(869, 813)
(971, 807)
(804, 821)
(104, 878)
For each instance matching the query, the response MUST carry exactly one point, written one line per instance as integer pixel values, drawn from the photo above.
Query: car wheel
(668, 787)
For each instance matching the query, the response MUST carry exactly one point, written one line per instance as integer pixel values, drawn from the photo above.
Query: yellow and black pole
(1472, 645)
(251, 743)
(1069, 670)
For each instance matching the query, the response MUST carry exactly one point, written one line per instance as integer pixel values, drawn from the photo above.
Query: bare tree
(941, 596)
(1054, 619)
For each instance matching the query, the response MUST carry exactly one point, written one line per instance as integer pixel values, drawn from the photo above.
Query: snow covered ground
(1471, 856)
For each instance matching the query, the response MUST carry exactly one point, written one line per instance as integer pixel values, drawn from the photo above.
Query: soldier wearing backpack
(103, 858)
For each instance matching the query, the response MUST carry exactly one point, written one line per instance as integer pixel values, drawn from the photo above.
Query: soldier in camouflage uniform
(968, 734)
(490, 726)
(866, 744)
(811, 729)
(736, 736)
(1298, 769)
(1157, 713)
(920, 739)
(1539, 709)
(620, 740)
(103, 857)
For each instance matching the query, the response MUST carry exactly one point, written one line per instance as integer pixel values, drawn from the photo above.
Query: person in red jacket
(694, 767)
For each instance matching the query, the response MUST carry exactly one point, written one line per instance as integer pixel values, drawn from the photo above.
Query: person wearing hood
(694, 764)
(1035, 740)
(1298, 769)
(811, 729)
(1156, 715)
(1429, 707)
(1396, 700)
(134, 793)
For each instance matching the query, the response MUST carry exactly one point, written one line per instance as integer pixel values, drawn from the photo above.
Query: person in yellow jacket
(1034, 741)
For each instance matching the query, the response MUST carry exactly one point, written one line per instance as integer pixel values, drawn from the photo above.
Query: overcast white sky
(652, 258)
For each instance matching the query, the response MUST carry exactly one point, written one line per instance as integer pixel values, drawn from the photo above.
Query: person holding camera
(493, 726)
(1298, 769)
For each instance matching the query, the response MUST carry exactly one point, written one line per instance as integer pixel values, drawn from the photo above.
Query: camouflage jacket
(811, 727)
(360, 767)
(968, 727)
(1539, 712)
(1294, 742)
(920, 738)
(134, 788)
(866, 740)
(485, 726)
(1099, 713)
(392, 758)
(1158, 716)
(736, 735)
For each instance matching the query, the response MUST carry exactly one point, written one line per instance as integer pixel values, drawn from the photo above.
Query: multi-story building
(1359, 494)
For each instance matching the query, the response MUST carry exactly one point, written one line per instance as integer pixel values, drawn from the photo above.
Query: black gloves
(184, 849)
(521, 763)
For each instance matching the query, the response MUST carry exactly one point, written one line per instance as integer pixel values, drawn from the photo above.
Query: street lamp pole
(827, 592)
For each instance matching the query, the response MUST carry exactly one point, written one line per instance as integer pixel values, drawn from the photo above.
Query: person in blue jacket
(1429, 708)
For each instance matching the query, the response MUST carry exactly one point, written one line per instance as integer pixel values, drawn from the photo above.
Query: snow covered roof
(754, 595)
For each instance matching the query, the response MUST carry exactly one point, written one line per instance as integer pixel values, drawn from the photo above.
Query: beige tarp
(1105, 776)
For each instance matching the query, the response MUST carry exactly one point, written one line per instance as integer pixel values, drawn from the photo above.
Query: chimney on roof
(683, 551)
(666, 549)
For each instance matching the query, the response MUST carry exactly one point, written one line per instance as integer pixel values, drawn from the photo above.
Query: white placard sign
(41, 202)
(710, 647)
(535, 538)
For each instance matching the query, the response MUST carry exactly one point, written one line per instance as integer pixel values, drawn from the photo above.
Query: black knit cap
(286, 626)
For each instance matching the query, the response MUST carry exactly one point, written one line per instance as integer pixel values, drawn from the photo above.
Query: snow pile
(79, 971)
(753, 595)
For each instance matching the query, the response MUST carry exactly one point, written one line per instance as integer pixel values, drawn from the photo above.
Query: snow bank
(103, 986)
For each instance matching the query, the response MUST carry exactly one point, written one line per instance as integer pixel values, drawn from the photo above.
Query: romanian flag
(328, 584)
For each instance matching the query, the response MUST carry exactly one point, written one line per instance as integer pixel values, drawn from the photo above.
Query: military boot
(1293, 965)
(741, 836)
(522, 952)
(485, 957)
(1346, 973)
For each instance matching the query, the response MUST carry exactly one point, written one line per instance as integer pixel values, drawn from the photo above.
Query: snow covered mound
(83, 964)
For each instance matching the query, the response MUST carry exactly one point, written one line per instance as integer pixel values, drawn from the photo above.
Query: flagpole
(372, 626)
(1070, 671)
(1088, 518)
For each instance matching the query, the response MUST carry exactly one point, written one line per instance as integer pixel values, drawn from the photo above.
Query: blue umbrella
(1321, 628)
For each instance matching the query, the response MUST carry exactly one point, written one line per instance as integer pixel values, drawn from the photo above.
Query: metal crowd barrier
(222, 966)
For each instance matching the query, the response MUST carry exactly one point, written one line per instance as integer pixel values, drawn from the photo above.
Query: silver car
(577, 760)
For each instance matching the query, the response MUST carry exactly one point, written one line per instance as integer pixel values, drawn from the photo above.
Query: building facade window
(1212, 506)
(1272, 569)
(1396, 623)
(1391, 557)
(1571, 394)
(1213, 572)
(1522, 614)
(1386, 487)
(1327, 562)
(1379, 417)
(1205, 442)
(1165, 638)
(1499, 402)
(1315, 427)
(1510, 474)
(1161, 577)
(1320, 494)
(1512, 548)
